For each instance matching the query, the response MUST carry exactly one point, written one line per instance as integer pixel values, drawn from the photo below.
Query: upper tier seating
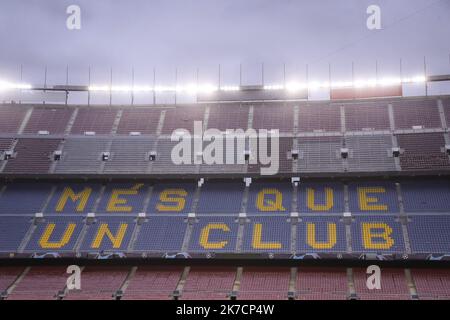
(273, 116)
(319, 117)
(98, 120)
(143, 120)
(182, 118)
(11, 118)
(223, 117)
(45, 119)
(367, 117)
(409, 113)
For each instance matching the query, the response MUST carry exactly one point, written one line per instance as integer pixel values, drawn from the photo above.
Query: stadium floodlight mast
(6, 85)
(210, 88)
(289, 86)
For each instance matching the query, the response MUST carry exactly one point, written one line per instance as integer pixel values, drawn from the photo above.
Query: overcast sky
(203, 33)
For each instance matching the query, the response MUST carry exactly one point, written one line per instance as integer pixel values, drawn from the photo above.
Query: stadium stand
(446, 108)
(426, 196)
(370, 153)
(153, 282)
(182, 117)
(40, 283)
(221, 197)
(33, 156)
(82, 155)
(429, 233)
(321, 234)
(323, 284)
(366, 117)
(267, 234)
(55, 234)
(170, 197)
(321, 197)
(161, 234)
(8, 276)
(112, 234)
(163, 162)
(393, 286)
(270, 197)
(285, 146)
(409, 113)
(274, 116)
(223, 117)
(123, 198)
(216, 234)
(320, 154)
(5, 145)
(70, 198)
(377, 234)
(373, 197)
(52, 120)
(12, 232)
(319, 118)
(432, 283)
(423, 151)
(100, 283)
(266, 284)
(98, 120)
(129, 155)
(11, 118)
(36, 194)
(143, 120)
(203, 283)
(362, 205)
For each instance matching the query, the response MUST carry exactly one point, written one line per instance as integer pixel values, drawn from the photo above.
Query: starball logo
(232, 146)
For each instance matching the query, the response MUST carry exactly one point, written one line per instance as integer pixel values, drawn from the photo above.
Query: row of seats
(141, 155)
(221, 283)
(287, 117)
(321, 234)
(231, 197)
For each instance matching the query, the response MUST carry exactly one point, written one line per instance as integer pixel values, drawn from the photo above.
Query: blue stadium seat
(24, 198)
(221, 197)
(172, 198)
(373, 197)
(123, 198)
(383, 235)
(73, 198)
(56, 234)
(267, 234)
(161, 234)
(321, 234)
(270, 197)
(12, 232)
(108, 234)
(214, 234)
(321, 197)
(429, 234)
(426, 196)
